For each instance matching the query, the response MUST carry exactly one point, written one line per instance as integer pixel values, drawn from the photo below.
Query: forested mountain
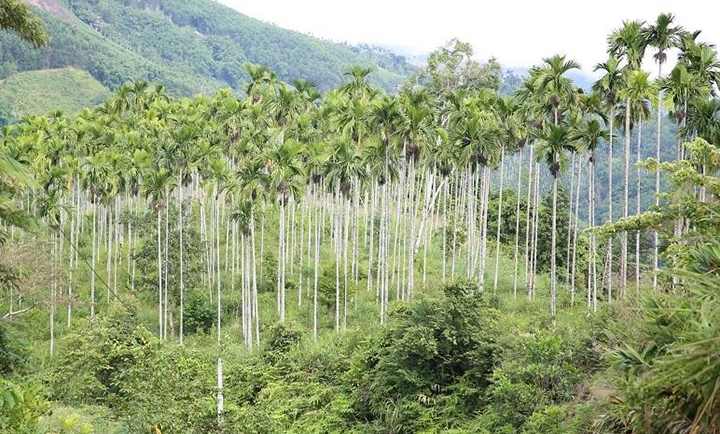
(190, 46)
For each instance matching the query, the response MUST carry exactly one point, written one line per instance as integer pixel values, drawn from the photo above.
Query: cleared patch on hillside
(41, 92)
(52, 7)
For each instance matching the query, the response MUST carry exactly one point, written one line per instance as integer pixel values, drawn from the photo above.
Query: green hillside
(40, 92)
(190, 46)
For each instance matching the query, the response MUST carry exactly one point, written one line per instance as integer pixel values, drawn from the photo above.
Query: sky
(518, 33)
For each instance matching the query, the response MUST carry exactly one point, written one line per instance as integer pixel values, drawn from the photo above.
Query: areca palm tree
(554, 85)
(662, 36)
(588, 136)
(639, 91)
(343, 170)
(357, 87)
(506, 110)
(155, 187)
(609, 85)
(385, 116)
(554, 143)
(627, 43)
(285, 175)
(95, 180)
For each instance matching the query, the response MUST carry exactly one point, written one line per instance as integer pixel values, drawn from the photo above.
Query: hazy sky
(517, 33)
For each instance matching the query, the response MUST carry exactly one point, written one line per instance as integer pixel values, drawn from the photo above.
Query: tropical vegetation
(294, 260)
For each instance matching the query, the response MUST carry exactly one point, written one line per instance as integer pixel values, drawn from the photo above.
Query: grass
(42, 92)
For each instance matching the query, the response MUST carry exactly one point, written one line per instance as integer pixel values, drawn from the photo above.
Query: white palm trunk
(570, 213)
(94, 258)
(499, 220)
(516, 258)
(637, 208)
(609, 261)
(553, 259)
(575, 234)
(626, 203)
(160, 275)
(658, 121)
(528, 244)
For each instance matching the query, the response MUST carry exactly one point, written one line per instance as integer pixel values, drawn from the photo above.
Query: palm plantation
(356, 211)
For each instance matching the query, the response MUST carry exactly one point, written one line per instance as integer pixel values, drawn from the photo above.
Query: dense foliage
(190, 46)
(367, 263)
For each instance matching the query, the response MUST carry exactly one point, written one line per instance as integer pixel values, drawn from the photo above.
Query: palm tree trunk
(499, 221)
(166, 279)
(345, 242)
(575, 232)
(218, 264)
(637, 208)
(484, 228)
(281, 265)
(626, 203)
(182, 248)
(356, 235)
(108, 248)
(536, 223)
(517, 223)
(570, 216)
(94, 257)
(255, 307)
(446, 188)
(160, 285)
(337, 235)
(592, 257)
(553, 259)
(528, 246)
(609, 261)
(372, 237)
(658, 121)
(317, 268)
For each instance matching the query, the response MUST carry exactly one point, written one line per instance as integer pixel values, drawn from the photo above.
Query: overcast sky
(518, 33)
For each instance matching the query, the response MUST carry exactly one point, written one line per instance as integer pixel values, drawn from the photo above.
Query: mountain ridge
(196, 46)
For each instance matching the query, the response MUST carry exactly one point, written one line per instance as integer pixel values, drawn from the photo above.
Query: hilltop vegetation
(41, 92)
(189, 46)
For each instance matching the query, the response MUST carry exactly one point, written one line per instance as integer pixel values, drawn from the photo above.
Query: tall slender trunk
(517, 224)
(528, 245)
(658, 121)
(444, 231)
(592, 260)
(160, 275)
(53, 292)
(217, 280)
(281, 263)
(484, 225)
(255, 307)
(108, 248)
(575, 232)
(609, 262)
(637, 208)
(182, 248)
(338, 249)
(536, 223)
(570, 215)
(94, 257)
(166, 279)
(626, 202)
(317, 267)
(372, 237)
(499, 221)
(346, 235)
(553, 247)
